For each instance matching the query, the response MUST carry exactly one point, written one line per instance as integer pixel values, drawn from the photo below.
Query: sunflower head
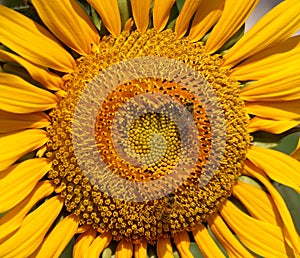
(138, 121)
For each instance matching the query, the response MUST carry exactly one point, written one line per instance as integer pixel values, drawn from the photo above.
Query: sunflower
(131, 128)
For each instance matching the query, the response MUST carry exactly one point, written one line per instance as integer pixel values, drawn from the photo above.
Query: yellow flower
(173, 87)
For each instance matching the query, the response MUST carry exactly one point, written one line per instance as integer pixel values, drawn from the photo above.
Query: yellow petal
(258, 203)
(140, 250)
(164, 248)
(289, 229)
(109, 13)
(261, 237)
(32, 41)
(277, 25)
(280, 110)
(19, 96)
(69, 23)
(12, 122)
(161, 13)
(185, 16)
(277, 165)
(140, 12)
(15, 145)
(284, 85)
(59, 237)
(182, 242)
(270, 125)
(18, 181)
(124, 249)
(49, 80)
(206, 244)
(98, 245)
(232, 246)
(13, 219)
(233, 17)
(34, 227)
(207, 15)
(83, 242)
(269, 61)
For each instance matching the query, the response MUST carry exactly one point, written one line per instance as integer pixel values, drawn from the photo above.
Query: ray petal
(261, 237)
(182, 242)
(15, 145)
(277, 165)
(279, 110)
(233, 17)
(124, 249)
(206, 244)
(19, 96)
(19, 180)
(140, 249)
(98, 245)
(284, 85)
(83, 242)
(276, 26)
(232, 246)
(109, 13)
(269, 62)
(270, 125)
(185, 16)
(59, 237)
(13, 219)
(32, 41)
(258, 202)
(161, 13)
(164, 248)
(13, 122)
(49, 80)
(290, 231)
(207, 15)
(69, 23)
(140, 12)
(32, 231)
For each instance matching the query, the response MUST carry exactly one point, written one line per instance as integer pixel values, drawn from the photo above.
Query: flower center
(144, 128)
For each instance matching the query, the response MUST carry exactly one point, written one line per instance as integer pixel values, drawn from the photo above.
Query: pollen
(149, 146)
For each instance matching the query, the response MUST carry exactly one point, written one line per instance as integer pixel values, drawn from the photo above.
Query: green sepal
(195, 250)
(173, 17)
(230, 42)
(217, 242)
(68, 251)
(85, 6)
(96, 19)
(250, 181)
(269, 140)
(179, 4)
(125, 11)
(292, 200)
(151, 252)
